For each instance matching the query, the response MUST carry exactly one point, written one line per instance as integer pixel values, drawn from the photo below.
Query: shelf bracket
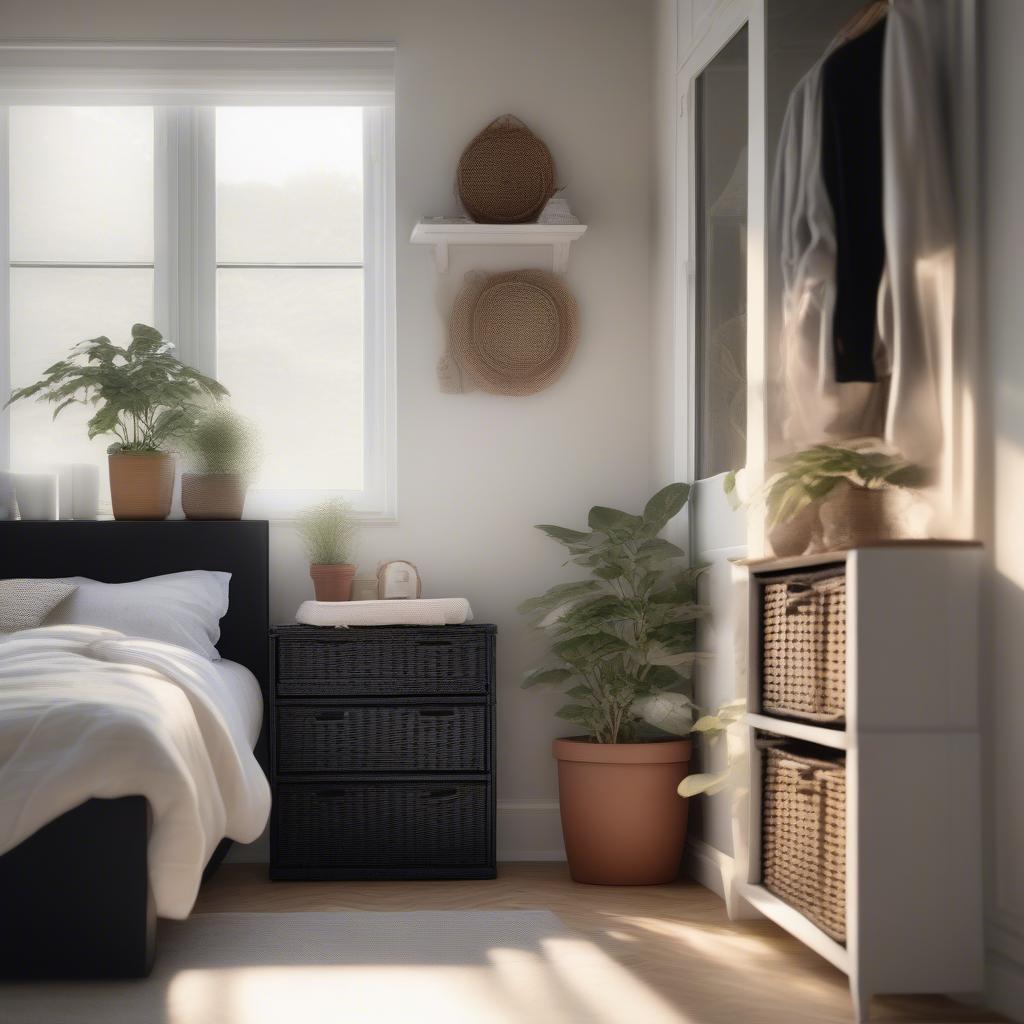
(560, 257)
(441, 257)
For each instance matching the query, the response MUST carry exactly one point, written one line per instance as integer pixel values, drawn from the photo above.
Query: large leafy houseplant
(142, 394)
(627, 634)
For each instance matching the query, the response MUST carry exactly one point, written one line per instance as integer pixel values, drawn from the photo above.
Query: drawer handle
(330, 716)
(437, 796)
(439, 713)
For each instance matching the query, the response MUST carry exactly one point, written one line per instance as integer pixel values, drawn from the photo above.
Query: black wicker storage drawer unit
(382, 752)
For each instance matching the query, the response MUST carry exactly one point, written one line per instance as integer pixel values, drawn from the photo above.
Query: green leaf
(575, 713)
(558, 595)
(666, 505)
(613, 521)
(563, 535)
(540, 676)
(707, 782)
(658, 550)
(610, 572)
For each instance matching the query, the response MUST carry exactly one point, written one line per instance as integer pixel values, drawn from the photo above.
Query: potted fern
(222, 449)
(838, 497)
(328, 530)
(624, 646)
(144, 397)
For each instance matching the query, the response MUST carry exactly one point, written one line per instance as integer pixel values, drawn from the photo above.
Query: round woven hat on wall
(506, 174)
(512, 333)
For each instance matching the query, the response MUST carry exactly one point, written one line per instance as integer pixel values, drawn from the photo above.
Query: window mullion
(185, 230)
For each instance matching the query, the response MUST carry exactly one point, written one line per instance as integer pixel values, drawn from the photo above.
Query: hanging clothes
(914, 302)
(851, 112)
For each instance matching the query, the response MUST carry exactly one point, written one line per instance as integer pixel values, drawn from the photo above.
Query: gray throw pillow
(24, 604)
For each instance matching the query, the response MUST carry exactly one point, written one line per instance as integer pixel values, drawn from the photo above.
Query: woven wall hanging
(509, 334)
(506, 174)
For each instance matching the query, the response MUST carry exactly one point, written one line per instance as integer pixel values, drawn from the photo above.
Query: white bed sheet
(240, 697)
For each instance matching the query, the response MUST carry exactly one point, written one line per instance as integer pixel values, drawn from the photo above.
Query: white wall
(475, 471)
(1002, 455)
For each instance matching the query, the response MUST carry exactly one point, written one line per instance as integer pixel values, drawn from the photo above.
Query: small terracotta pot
(860, 516)
(622, 819)
(332, 582)
(141, 485)
(212, 495)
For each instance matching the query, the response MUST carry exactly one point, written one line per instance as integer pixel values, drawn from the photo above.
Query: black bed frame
(75, 899)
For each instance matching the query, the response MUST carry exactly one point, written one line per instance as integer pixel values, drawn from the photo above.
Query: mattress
(240, 697)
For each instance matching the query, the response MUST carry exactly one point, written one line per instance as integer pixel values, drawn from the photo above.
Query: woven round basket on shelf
(510, 334)
(506, 174)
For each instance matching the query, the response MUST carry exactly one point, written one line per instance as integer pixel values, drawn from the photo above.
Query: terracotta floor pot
(141, 485)
(860, 516)
(212, 495)
(623, 822)
(332, 582)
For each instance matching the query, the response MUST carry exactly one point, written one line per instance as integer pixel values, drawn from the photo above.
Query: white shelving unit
(913, 790)
(442, 234)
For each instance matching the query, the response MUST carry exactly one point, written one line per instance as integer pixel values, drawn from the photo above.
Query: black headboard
(116, 552)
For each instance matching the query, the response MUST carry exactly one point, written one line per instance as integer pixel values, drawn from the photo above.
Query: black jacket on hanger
(851, 102)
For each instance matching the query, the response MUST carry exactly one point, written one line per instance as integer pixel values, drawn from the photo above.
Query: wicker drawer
(424, 663)
(803, 834)
(382, 824)
(451, 738)
(803, 645)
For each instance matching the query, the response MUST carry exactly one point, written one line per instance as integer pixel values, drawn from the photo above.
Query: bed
(75, 896)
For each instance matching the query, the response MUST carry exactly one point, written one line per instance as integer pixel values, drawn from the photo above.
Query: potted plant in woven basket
(624, 648)
(831, 497)
(328, 530)
(222, 448)
(144, 397)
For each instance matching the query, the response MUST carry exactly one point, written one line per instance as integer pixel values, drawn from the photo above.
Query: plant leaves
(613, 521)
(563, 535)
(541, 676)
(666, 505)
(707, 782)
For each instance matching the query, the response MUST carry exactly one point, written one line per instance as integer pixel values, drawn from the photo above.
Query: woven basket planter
(141, 486)
(803, 646)
(506, 174)
(803, 836)
(854, 517)
(212, 495)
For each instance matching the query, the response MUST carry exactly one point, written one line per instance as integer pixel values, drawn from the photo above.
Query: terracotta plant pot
(798, 535)
(332, 582)
(623, 822)
(860, 516)
(141, 485)
(212, 495)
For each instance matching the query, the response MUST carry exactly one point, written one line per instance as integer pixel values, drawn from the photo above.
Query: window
(720, 104)
(255, 236)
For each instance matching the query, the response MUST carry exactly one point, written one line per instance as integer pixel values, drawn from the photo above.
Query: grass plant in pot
(834, 497)
(223, 451)
(328, 530)
(142, 396)
(624, 649)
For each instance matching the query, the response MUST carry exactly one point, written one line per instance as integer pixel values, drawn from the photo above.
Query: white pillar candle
(37, 495)
(64, 490)
(86, 490)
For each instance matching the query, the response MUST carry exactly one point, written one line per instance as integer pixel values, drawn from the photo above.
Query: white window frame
(185, 85)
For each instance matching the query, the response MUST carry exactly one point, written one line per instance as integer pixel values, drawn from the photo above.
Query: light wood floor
(674, 938)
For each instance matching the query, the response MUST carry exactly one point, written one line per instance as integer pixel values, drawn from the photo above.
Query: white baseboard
(529, 830)
(708, 866)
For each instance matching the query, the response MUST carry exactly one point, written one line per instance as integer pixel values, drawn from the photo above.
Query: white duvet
(87, 712)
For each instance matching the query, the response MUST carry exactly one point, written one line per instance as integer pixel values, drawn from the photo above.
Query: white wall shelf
(444, 233)
(807, 731)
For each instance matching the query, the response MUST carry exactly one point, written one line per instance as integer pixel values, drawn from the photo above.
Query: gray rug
(461, 967)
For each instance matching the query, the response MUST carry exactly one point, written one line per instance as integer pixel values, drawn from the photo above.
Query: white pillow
(183, 608)
(24, 604)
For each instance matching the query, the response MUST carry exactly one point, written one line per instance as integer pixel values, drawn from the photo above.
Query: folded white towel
(435, 611)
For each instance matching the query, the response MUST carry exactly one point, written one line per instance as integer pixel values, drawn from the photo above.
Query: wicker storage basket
(383, 823)
(803, 836)
(803, 645)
